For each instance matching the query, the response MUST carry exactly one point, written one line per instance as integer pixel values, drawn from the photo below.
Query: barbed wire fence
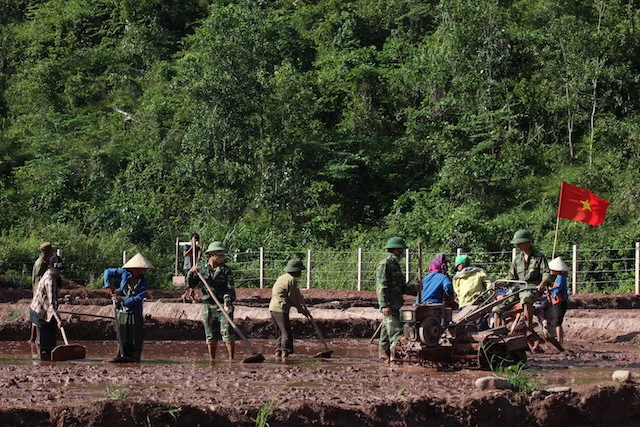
(612, 270)
(591, 270)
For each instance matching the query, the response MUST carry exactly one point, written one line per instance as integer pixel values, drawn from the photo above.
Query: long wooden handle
(194, 258)
(64, 336)
(315, 326)
(118, 336)
(215, 299)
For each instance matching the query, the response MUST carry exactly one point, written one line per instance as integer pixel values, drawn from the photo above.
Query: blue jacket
(133, 294)
(434, 285)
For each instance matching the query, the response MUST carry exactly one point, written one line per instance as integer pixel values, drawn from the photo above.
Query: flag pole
(555, 238)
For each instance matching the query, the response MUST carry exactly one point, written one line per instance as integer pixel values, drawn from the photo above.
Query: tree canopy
(288, 124)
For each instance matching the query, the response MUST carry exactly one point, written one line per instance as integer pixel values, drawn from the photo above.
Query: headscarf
(439, 264)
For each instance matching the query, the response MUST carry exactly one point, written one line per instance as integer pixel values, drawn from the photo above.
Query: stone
(492, 383)
(559, 389)
(622, 376)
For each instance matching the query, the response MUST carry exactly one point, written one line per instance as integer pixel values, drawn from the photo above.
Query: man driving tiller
(530, 265)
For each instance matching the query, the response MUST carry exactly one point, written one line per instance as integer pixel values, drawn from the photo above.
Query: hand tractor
(435, 334)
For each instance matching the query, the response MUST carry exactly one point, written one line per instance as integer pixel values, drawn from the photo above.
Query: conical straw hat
(558, 264)
(138, 261)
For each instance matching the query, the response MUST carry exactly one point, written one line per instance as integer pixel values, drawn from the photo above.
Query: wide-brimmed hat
(294, 265)
(522, 236)
(396, 243)
(557, 264)
(139, 262)
(55, 265)
(215, 247)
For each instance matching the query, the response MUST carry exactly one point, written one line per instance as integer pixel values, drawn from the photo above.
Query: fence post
(308, 268)
(359, 269)
(513, 254)
(261, 273)
(458, 251)
(125, 258)
(574, 270)
(407, 264)
(637, 268)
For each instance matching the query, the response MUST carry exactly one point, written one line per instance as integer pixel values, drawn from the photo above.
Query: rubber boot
(231, 347)
(212, 350)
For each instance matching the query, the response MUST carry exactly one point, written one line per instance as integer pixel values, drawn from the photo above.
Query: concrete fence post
(513, 254)
(637, 268)
(308, 268)
(261, 273)
(125, 257)
(407, 263)
(574, 270)
(359, 267)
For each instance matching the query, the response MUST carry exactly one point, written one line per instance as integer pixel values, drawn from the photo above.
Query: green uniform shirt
(39, 267)
(390, 283)
(220, 281)
(534, 272)
(286, 294)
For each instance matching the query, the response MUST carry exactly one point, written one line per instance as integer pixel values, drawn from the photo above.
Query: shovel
(326, 353)
(67, 351)
(255, 357)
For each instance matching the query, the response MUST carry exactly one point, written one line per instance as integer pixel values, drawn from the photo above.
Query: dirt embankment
(333, 393)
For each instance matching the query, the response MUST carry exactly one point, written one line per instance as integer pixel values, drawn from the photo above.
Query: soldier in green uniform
(530, 265)
(390, 287)
(219, 277)
(284, 295)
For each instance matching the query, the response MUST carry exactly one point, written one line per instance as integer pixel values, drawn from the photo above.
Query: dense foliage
(325, 123)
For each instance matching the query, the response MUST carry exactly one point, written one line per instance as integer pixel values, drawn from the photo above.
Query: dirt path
(348, 389)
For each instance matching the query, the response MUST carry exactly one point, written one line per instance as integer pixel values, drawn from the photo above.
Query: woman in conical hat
(127, 297)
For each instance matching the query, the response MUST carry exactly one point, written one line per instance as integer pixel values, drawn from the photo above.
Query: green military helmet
(522, 236)
(294, 265)
(396, 243)
(215, 247)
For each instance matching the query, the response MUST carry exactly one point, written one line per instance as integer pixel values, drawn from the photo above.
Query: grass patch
(520, 379)
(267, 410)
(116, 393)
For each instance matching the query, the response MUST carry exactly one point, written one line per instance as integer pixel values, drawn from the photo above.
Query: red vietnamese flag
(578, 204)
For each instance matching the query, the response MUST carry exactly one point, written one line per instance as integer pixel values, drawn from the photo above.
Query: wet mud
(176, 385)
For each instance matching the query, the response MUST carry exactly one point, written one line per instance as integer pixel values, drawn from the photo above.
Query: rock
(492, 383)
(559, 389)
(622, 376)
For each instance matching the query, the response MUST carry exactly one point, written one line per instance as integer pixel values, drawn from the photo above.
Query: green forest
(293, 124)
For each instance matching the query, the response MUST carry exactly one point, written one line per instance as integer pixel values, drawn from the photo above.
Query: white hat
(558, 264)
(138, 261)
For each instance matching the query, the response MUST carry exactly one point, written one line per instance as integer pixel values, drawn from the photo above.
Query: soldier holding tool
(219, 277)
(284, 295)
(390, 286)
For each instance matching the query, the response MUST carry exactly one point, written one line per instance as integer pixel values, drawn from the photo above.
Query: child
(559, 294)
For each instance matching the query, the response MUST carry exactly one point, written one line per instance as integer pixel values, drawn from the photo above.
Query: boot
(212, 350)
(231, 347)
(383, 356)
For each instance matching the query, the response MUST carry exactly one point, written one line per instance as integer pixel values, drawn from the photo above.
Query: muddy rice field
(175, 384)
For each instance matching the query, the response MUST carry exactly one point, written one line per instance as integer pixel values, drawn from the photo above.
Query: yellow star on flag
(585, 205)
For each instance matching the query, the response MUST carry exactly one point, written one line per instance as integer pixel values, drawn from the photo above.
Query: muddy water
(553, 369)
